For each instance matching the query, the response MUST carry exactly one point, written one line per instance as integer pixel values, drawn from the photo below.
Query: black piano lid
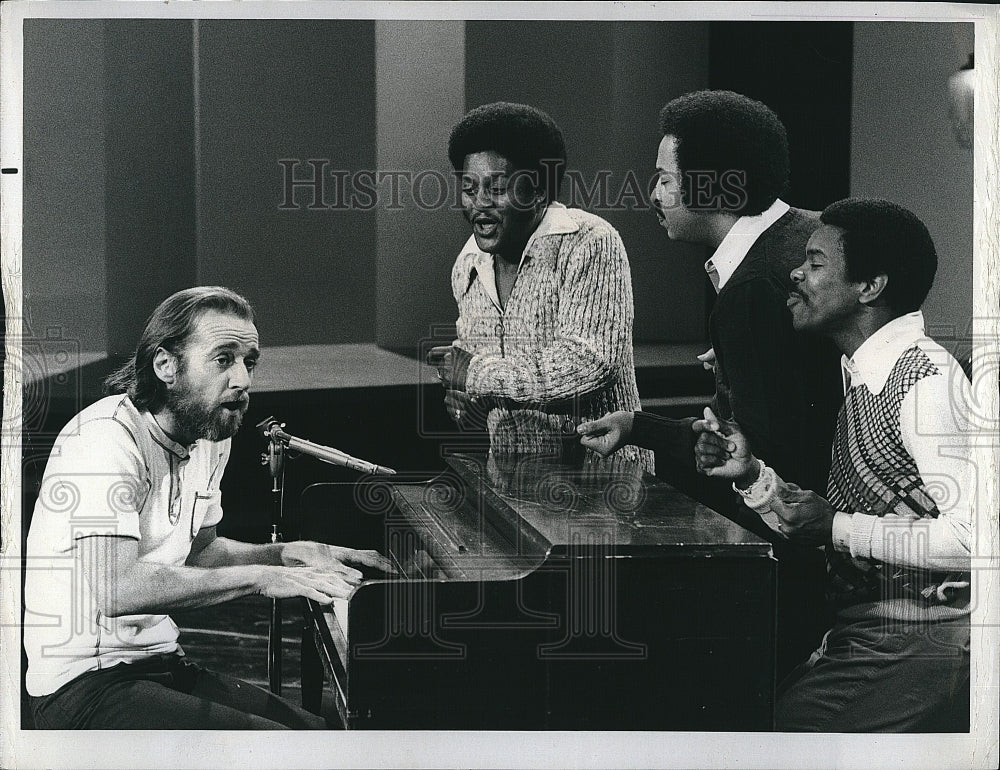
(608, 503)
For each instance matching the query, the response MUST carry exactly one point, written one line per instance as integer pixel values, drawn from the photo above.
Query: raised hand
(608, 434)
(722, 450)
(452, 363)
(440, 357)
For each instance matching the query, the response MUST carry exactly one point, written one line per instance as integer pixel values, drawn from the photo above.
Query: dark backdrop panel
(420, 95)
(63, 266)
(604, 84)
(149, 161)
(904, 149)
(802, 70)
(654, 63)
(292, 90)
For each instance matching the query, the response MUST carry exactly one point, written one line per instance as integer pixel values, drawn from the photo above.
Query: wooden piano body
(537, 594)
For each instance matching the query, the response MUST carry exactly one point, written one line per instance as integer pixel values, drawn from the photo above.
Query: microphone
(273, 430)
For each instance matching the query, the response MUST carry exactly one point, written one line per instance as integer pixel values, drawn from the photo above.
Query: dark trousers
(878, 675)
(166, 692)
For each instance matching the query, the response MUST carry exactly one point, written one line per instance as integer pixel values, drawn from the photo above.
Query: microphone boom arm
(273, 430)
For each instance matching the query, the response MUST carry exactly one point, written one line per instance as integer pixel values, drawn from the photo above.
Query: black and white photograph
(524, 384)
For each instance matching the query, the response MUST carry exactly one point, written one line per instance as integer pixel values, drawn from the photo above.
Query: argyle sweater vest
(873, 473)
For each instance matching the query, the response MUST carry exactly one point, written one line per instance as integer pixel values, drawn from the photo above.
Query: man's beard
(197, 421)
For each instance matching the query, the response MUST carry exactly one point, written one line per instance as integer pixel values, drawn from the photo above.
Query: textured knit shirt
(112, 473)
(560, 352)
(901, 479)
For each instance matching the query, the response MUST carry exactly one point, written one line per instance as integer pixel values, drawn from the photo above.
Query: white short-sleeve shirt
(112, 472)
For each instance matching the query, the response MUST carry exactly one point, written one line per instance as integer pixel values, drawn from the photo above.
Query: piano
(543, 594)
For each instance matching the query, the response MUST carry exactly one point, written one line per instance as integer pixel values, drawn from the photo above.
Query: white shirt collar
(873, 361)
(556, 221)
(741, 238)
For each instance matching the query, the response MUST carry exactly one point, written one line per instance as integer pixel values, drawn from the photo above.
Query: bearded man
(124, 532)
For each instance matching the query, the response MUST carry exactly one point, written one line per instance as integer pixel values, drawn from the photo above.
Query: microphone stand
(275, 460)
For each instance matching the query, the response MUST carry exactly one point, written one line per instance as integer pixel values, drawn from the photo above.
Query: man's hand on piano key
(306, 553)
(320, 585)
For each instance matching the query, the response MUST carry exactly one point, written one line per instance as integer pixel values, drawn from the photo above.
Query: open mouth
(794, 298)
(485, 227)
(238, 405)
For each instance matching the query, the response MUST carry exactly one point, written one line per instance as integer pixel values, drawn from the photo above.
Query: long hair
(169, 327)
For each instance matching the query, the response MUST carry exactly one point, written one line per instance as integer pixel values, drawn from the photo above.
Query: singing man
(896, 518)
(124, 532)
(722, 164)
